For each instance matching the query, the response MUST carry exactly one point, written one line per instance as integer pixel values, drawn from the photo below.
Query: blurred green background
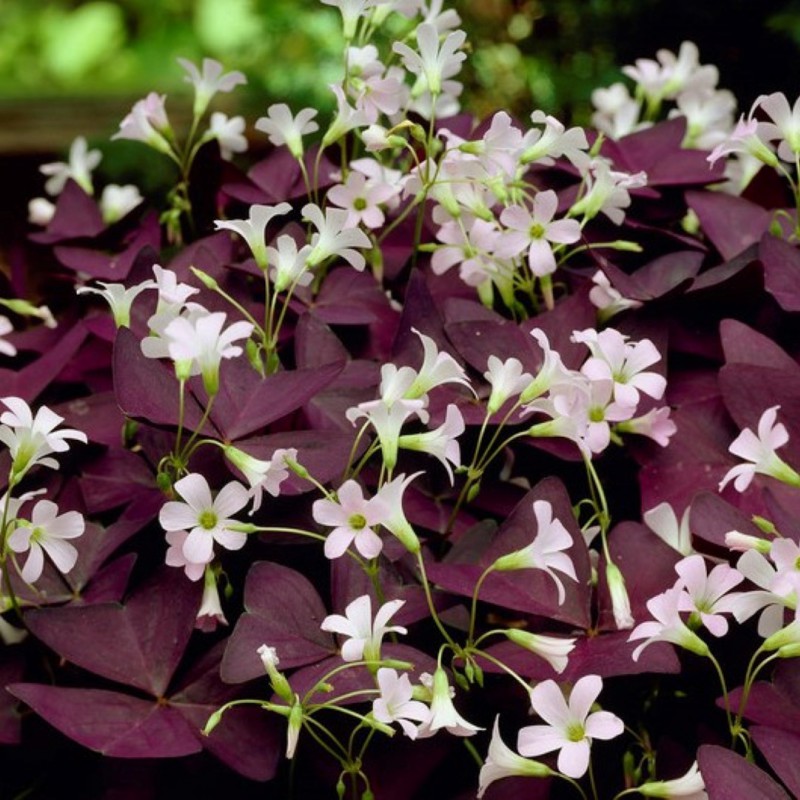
(72, 66)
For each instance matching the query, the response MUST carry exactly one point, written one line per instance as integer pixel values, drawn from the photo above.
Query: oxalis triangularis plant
(427, 457)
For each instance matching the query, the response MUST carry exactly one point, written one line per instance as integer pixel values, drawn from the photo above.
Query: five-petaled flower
(352, 518)
(759, 449)
(570, 727)
(207, 519)
(46, 533)
(364, 634)
(30, 439)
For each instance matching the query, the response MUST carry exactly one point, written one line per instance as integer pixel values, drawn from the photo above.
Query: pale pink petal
(573, 760)
(63, 554)
(194, 490)
(199, 546)
(337, 542)
(175, 516)
(33, 565)
(536, 740)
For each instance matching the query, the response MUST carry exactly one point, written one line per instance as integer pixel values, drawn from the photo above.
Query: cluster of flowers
(481, 195)
(39, 529)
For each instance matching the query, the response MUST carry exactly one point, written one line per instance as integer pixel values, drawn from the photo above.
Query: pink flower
(263, 476)
(667, 626)
(361, 199)
(785, 123)
(545, 552)
(207, 519)
(535, 230)
(707, 595)
(759, 449)
(571, 728)
(147, 122)
(46, 534)
(395, 703)
(364, 634)
(176, 558)
(352, 518)
(614, 358)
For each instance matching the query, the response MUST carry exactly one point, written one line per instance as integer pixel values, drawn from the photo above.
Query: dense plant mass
(426, 457)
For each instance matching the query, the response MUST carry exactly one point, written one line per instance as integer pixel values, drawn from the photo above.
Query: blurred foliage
(528, 54)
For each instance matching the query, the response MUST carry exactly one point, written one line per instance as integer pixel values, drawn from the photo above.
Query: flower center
(537, 230)
(359, 204)
(208, 520)
(575, 732)
(357, 522)
(36, 535)
(597, 414)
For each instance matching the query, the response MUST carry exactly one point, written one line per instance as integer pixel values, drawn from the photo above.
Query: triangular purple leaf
(282, 610)
(111, 723)
(780, 748)
(137, 644)
(728, 775)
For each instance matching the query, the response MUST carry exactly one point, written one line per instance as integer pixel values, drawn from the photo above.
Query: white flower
(667, 626)
(395, 704)
(253, 229)
(288, 266)
(689, 786)
(207, 519)
(443, 713)
(119, 297)
(506, 379)
(147, 122)
(607, 299)
(116, 201)
(30, 439)
(503, 762)
(433, 63)
(614, 358)
(229, 132)
(210, 613)
(333, 237)
(662, 520)
(707, 595)
(442, 442)
(364, 634)
(40, 211)
(553, 649)
(46, 534)
(209, 82)
(81, 163)
(282, 128)
(6, 348)
(198, 346)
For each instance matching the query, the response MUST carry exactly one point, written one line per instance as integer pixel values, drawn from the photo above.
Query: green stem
(429, 598)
